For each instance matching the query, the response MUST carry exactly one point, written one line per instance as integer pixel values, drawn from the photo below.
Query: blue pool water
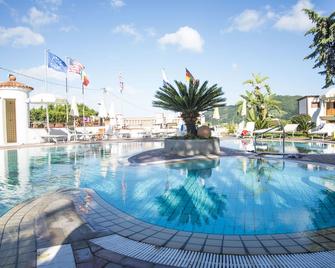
(231, 195)
(304, 147)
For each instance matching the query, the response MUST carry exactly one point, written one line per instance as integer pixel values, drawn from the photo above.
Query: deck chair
(57, 134)
(326, 130)
(289, 129)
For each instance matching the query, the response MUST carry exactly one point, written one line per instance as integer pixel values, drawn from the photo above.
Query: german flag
(189, 76)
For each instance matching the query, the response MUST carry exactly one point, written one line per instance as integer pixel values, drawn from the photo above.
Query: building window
(315, 104)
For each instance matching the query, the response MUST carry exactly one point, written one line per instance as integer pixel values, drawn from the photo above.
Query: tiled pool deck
(75, 217)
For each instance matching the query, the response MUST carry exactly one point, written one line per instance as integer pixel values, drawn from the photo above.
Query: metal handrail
(268, 130)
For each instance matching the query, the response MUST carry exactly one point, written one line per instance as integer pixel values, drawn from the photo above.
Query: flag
(121, 83)
(56, 63)
(165, 80)
(84, 78)
(75, 66)
(189, 76)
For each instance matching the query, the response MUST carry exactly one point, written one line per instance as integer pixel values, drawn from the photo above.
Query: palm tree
(323, 44)
(189, 100)
(260, 106)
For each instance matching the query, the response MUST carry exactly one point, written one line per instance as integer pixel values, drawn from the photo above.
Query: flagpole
(46, 85)
(66, 92)
(83, 92)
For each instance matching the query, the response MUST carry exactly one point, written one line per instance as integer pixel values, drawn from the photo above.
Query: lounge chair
(288, 129)
(261, 132)
(325, 130)
(239, 129)
(58, 134)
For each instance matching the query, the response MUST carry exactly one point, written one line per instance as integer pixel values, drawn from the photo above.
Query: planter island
(192, 147)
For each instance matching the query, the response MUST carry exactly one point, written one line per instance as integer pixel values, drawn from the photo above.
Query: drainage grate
(185, 258)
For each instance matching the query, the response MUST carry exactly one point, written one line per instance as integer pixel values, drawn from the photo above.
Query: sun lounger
(288, 129)
(326, 130)
(58, 134)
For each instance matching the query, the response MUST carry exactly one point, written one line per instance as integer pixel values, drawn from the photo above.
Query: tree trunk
(190, 121)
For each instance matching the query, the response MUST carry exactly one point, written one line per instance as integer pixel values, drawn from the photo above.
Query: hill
(228, 114)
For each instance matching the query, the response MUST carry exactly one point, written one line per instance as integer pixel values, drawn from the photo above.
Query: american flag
(75, 66)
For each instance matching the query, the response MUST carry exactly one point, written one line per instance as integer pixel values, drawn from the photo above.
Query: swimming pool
(292, 147)
(231, 195)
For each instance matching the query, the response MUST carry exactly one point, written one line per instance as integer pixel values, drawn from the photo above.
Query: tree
(261, 107)
(323, 44)
(304, 121)
(189, 100)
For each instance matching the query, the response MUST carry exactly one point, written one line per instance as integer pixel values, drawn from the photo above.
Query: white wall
(22, 116)
(302, 106)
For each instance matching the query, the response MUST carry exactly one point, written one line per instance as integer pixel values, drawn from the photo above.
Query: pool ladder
(268, 130)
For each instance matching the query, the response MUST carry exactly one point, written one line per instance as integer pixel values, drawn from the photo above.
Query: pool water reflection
(230, 195)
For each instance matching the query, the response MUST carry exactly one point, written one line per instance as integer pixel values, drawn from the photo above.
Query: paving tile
(319, 239)
(328, 245)
(196, 240)
(276, 250)
(252, 243)
(212, 249)
(287, 242)
(295, 249)
(270, 243)
(281, 236)
(193, 247)
(232, 250)
(154, 241)
(79, 244)
(138, 236)
(248, 237)
(109, 255)
(256, 251)
(148, 232)
(177, 245)
(161, 235)
(113, 265)
(126, 232)
(178, 238)
(213, 242)
(264, 237)
(303, 241)
(199, 235)
(181, 233)
(232, 243)
(130, 262)
(83, 255)
(232, 237)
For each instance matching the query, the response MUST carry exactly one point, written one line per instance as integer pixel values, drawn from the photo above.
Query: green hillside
(228, 114)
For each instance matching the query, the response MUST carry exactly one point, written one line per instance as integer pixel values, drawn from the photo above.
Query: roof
(308, 96)
(12, 83)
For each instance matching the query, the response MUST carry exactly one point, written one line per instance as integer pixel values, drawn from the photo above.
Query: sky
(221, 41)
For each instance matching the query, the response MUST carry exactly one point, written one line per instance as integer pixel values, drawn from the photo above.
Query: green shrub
(304, 121)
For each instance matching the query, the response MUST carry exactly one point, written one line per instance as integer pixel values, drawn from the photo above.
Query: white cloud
(67, 29)
(117, 3)
(248, 20)
(234, 66)
(39, 72)
(128, 29)
(295, 19)
(186, 38)
(38, 17)
(150, 31)
(20, 36)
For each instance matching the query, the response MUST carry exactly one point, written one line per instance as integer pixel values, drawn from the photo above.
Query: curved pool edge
(80, 215)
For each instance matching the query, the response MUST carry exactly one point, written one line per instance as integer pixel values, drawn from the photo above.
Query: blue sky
(220, 41)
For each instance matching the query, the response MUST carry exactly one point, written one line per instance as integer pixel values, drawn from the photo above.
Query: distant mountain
(228, 114)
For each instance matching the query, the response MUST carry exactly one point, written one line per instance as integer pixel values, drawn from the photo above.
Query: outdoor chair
(58, 134)
(249, 128)
(288, 129)
(326, 130)
(263, 131)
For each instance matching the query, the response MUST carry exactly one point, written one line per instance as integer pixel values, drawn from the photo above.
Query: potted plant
(190, 100)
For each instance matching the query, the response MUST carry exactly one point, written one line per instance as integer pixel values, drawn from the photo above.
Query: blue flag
(56, 63)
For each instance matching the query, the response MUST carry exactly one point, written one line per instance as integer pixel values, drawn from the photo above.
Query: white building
(320, 108)
(14, 111)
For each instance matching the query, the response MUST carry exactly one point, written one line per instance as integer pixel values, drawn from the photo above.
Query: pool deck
(77, 228)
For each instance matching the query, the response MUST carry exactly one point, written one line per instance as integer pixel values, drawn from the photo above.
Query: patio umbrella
(102, 110)
(216, 114)
(111, 115)
(46, 99)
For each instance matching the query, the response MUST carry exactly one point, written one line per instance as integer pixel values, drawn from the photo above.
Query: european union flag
(56, 63)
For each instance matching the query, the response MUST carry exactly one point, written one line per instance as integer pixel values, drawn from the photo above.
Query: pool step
(185, 258)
